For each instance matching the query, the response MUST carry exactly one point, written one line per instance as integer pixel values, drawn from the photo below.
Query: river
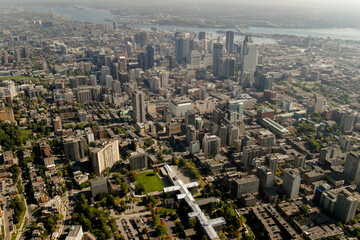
(99, 16)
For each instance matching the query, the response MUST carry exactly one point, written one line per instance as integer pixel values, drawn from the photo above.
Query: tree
(139, 188)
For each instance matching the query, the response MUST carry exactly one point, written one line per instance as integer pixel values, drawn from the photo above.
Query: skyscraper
(182, 49)
(217, 55)
(105, 157)
(227, 67)
(347, 122)
(291, 184)
(345, 206)
(318, 103)
(211, 145)
(149, 56)
(74, 148)
(202, 35)
(138, 103)
(230, 35)
(249, 56)
(352, 167)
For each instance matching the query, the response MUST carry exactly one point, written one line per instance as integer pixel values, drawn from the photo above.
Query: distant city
(153, 122)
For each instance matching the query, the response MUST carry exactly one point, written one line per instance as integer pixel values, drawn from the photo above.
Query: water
(99, 16)
(212, 31)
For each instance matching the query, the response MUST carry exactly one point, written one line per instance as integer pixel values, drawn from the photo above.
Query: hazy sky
(340, 5)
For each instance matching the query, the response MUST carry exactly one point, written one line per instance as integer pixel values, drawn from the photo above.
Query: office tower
(105, 70)
(266, 177)
(5, 57)
(194, 147)
(236, 106)
(203, 95)
(227, 67)
(74, 148)
(114, 25)
(199, 123)
(317, 103)
(105, 157)
(138, 160)
(202, 35)
(116, 86)
(138, 103)
(352, 167)
(247, 184)
(190, 133)
(319, 190)
(154, 84)
(232, 135)
(211, 145)
(164, 79)
(108, 81)
(26, 52)
(217, 55)
(149, 56)
(190, 117)
(141, 39)
(222, 134)
(142, 61)
(182, 49)
(345, 143)
(92, 80)
(304, 72)
(84, 96)
(250, 153)
(345, 206)
(195, 59)
(265, 83)
(230, 35)
(347, 122)
(57, 123)
(291, 183)
(249, 56)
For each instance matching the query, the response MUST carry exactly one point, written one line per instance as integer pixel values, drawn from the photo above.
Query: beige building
(105, 157)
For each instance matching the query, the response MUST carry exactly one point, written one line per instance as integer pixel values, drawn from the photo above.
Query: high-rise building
(57, 123)
(211, 145)
(138, 103)
(250, 153)
(74, 148)
(5, 57)
(105, 157)
(236, 106)
(164, 79)
(352, 167)
(182, 49)
(347, 122)
(249, 56)
(97, 186)
(190, 117)
(138, 160)
(190, 133)
(319, 190)
(217, 55)
(154, 84)
(345, 206)
(227, 67)
(317, 103)
(247, 184)
(232, 135)
(84, 96)
(265, 83)
(202, 35)
(230, 35)
(345, 143)
(149, 56)
(291, 183)
(266, 177)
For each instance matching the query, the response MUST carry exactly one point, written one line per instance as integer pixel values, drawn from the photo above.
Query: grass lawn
(25, 133)
(150, 181)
